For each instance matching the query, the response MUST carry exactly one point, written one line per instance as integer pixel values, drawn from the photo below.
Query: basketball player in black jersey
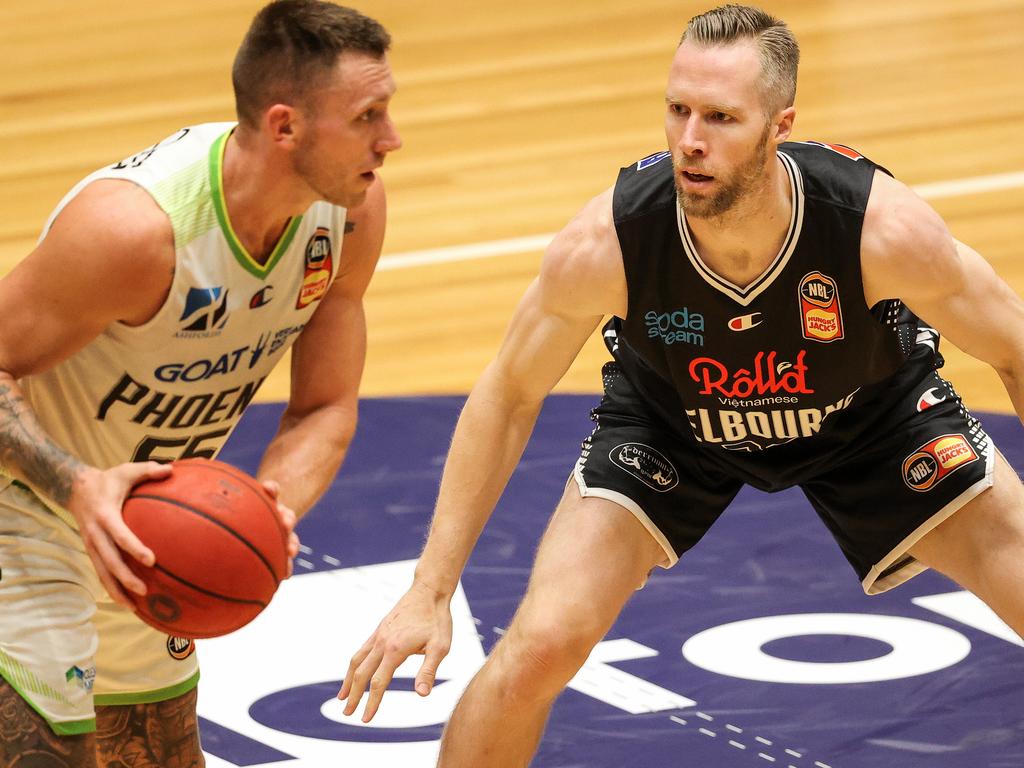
(765, 299)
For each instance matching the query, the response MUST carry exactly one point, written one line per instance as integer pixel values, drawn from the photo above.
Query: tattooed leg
(27, 741)
(160, 735)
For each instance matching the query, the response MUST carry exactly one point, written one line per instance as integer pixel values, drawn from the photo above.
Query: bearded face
(705, 196)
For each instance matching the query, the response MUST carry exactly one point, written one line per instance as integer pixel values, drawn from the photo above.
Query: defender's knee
(536, 663)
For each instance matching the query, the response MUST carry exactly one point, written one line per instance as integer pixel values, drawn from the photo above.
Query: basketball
(220, 548)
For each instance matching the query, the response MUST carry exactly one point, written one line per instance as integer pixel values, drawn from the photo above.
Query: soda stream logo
(678, 326)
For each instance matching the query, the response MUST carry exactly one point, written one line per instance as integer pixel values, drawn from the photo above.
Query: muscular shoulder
(114, 238)
(582, 270)
(904, 244)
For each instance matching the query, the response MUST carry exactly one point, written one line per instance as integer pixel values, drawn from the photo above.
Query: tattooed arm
(29, 453)
(108, 257)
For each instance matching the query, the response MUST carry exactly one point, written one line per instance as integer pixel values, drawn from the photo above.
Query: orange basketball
(220, 548)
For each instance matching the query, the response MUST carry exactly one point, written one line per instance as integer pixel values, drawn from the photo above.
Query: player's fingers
(428, 669)
(293, 551)
(379, 683)
(126, 539)
(108, 581)
(116, 565)
(360, 679)
(272, 487)
(287, 515)
(353, 665)
(136, 472)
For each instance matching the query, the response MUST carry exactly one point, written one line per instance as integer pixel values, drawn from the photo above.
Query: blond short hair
(778, 48)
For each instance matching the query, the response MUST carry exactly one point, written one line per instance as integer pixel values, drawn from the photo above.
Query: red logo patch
(933, 462)
(821, 315)
(317, 278)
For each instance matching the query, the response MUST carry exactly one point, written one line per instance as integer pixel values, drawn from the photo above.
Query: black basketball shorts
(924, 461)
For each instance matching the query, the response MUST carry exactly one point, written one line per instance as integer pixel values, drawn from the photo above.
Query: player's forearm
(489, 440)
(306, 453)
(27, 452)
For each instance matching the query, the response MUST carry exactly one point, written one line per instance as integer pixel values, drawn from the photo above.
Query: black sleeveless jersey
(777, 377)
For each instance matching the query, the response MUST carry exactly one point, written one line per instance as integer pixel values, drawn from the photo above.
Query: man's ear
(283, 124)
(783, 124)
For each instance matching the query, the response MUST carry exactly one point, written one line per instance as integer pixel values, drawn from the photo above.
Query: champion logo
(745, 322)
(262, 297)
(928, 399)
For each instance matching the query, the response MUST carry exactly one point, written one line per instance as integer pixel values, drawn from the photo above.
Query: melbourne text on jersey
(768, 381)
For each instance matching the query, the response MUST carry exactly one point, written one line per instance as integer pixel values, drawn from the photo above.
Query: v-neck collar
(220, 206)
(744, 296)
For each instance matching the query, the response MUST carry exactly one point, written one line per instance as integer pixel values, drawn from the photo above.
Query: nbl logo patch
(317, 278)
(820, 313)
(934, 461)
(180, 648)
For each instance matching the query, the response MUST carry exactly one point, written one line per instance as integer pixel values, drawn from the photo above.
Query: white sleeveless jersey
(176, 386)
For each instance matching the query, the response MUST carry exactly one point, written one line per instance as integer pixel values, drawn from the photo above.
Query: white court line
(465, 252)
(972, 186)
(470, 251)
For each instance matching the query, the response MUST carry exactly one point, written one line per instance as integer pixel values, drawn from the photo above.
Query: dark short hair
(291, 45)
(778, 48)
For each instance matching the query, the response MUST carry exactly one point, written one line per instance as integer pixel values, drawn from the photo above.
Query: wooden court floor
(513, 115)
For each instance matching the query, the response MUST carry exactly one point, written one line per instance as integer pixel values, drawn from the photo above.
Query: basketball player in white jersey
(748, 277)
(163, 290)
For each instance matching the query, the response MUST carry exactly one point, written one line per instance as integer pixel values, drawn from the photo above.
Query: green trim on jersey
(217, 189)
(148, 697)
(71, 727)
(185, 197)
(59, 727)
(22, 679)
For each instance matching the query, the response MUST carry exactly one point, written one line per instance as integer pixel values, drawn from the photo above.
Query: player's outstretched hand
(288, 519)
(420, 623)
(97, 497)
